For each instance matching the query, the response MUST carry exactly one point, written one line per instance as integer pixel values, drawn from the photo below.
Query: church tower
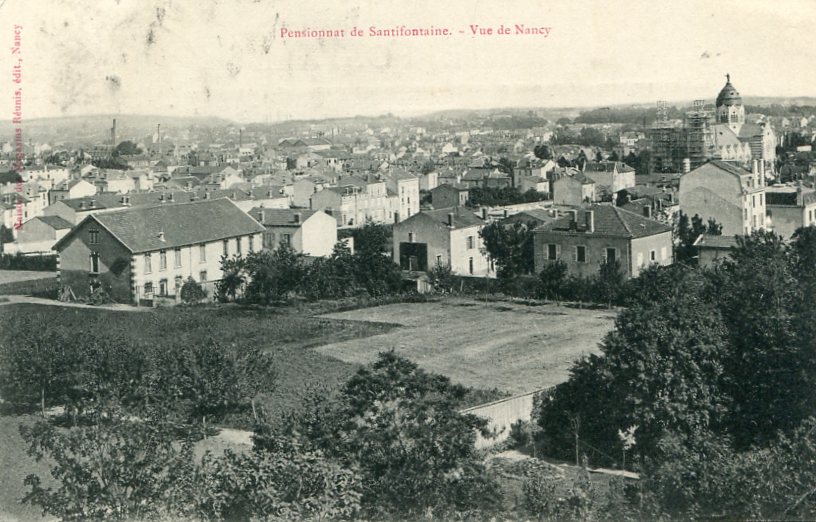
(729, 107)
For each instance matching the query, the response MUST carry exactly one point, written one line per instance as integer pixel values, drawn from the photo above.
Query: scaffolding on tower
(699, 136)
(664, 139)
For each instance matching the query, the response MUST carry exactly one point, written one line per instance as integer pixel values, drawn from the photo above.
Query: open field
(512, 347)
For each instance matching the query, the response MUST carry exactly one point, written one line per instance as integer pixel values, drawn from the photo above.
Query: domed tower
(729, 106)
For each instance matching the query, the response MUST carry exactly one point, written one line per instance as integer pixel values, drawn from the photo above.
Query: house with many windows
(447, 236)
(138, 254)
(585, 239)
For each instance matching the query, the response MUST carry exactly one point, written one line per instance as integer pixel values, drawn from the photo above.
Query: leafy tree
(428, 167)
(232, 280)
(506, 166)
(591, 137)
(510, 247)
(192, 291)
(774, 483)
(264, 485)
(372, 238)
(661, 369)
(644, 166)
(39, 363)
(542, 152)
(552, 279)
(163, 480)
(687, 232)
(126, 148)
(543, 500)
(374, 269)
(117, 470)
(197, 381)
(442, 278)
(273, 275)
(610, 283)
(6, 235)
(756, 290)
(334, 276)
(402, 427)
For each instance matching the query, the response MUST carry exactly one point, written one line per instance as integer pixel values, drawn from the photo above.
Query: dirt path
(17, 299)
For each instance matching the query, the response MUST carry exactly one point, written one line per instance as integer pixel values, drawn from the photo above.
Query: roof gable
(145, 229)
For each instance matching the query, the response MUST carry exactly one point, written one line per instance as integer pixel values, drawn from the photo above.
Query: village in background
(518, 313)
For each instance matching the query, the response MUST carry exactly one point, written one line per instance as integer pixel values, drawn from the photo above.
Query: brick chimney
(647, 211)
(450, 219)
(297, 217)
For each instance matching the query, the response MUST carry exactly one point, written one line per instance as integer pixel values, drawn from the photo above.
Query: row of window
(470, 241)
(202, 254)
(581, 254)
(164, 289)
(272, 240)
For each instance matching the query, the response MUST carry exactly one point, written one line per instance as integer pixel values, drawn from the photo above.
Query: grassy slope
(288, 336)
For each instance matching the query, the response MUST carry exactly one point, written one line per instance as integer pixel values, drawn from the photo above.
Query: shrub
(192, 292)
(21, 262)
(521, 434)
(442, 279)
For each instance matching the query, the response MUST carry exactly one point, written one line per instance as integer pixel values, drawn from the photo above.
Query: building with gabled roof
(141, 253)
(585, 239)
(610, 176)
(729, 194)
(38, 235)
(309, 232)
(72, 188)
(447, 236)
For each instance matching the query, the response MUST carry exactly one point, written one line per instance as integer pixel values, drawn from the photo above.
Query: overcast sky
(226, 57)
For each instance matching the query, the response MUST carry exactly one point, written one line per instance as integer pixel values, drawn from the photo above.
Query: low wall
(502, 414)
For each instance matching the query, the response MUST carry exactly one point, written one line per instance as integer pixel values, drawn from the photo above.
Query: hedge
(21, 262)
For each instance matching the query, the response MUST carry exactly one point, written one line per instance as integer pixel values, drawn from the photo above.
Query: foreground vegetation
(706, 388)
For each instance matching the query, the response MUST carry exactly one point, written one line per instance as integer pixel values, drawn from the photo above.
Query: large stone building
(447, 236)
(138, 254)
(725, 134)
(731, 195)
(585, 239)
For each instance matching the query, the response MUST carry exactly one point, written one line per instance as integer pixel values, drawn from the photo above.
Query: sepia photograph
(473, 260)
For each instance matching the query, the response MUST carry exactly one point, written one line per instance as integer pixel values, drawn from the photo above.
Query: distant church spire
(727, 77)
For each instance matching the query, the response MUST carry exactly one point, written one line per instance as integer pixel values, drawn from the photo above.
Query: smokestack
(589, 217)
(158, 132)
(113, 134)
(240, 138)
(450, 219)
